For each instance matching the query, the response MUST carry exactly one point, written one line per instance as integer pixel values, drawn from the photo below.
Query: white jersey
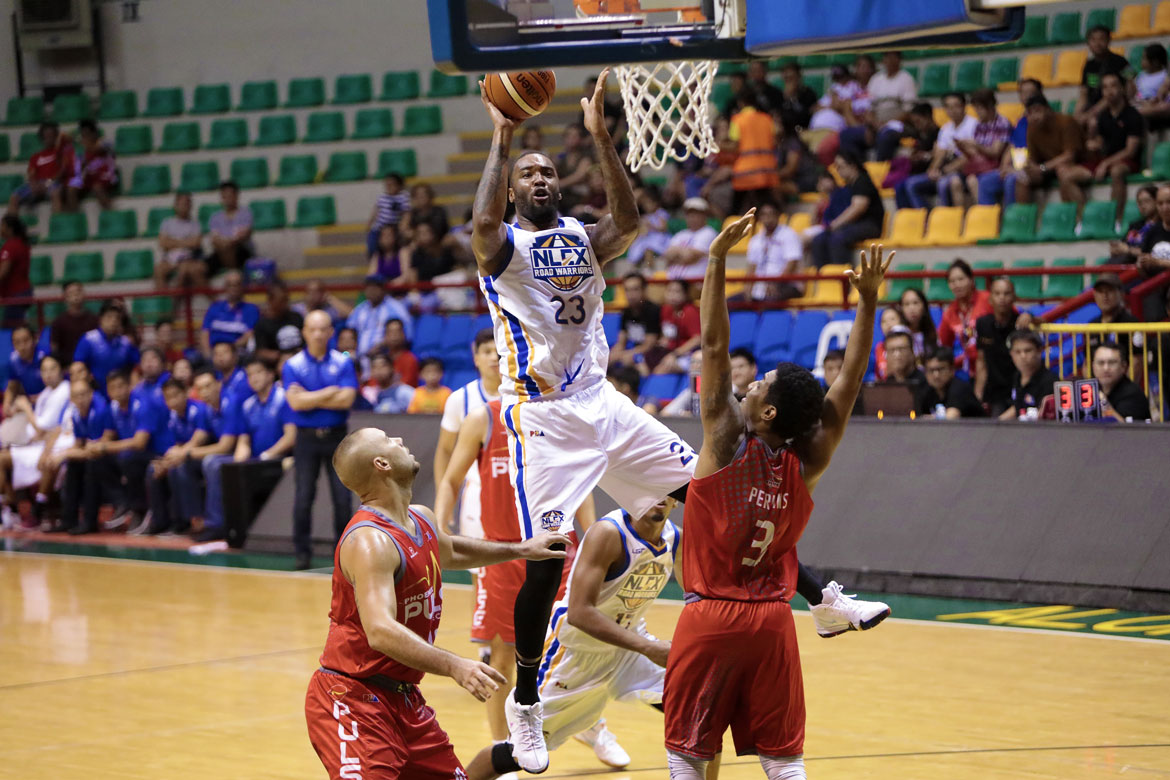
(627, 596)
(546, 309)
(458, 405)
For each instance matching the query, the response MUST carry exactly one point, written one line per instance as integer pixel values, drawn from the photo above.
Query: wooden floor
(123, 669)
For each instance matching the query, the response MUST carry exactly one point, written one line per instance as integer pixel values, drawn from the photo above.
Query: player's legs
(354, 729)
(492, 627)
(770, 718)
(791, 768)
(503, 660)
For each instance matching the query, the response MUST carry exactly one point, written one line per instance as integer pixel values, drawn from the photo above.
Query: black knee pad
(502, 761)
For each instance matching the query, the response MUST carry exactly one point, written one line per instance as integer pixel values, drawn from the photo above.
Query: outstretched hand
(539, 548)
(500, 120)
(732, 235)
(871, 273)
(594, 107)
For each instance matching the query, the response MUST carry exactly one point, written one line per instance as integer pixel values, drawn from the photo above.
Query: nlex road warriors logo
(551, 520)
(562, 260)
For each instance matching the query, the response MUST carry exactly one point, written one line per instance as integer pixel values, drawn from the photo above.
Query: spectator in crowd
(87, 414)
(680, 330)
(183, 371)
(152, 370)
(640, 328)
(737, 83)
(20, 463)
(369, 317)
(347, 341)
(1101, 61)
(396, 346)
(317, 298)
(713, 182)
(915, 157)
(797, 98)
(892, 92)
(891, 318)
(128, 326)
(385, 391)
(1155, 254)
(843, 105)
(231, 230)
(831, 366)
(1031, 381)
(1115, 143)
(743, 370)
(230, 318)
(49, 171)
(1108, 294)
(770, 98)
(573, 164)
(978, 176)
(24, 371)
(864, 69)
(993, 362)
(901, 367)
(946, 159)
(1129, 248)
(164, 339)
(685, 403)
(386, 258)
(1015, 156)
(943, 396)
(774, 250)
(862, 219)
(799, 170)
(430, 396)
(1121, 397)
(320, 385)
(832, 203)
(97, 172)
(428, 258)
(653, 233)
(958, 321)
(1056, 149)
(15, 263)
(106, 348)
(390, 208)
(628, 381)
(225, 359)
(754, 177)
(532, 140)
(686, 256)
(278, 331)
(423, 209)
(1152, 88)
(123, 452)
(180, 239)
(188, 425)
(220, 446)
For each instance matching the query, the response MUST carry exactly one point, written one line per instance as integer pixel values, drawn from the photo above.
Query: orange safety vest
(755, 168)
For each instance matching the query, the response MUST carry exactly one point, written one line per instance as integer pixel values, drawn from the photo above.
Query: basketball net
(667, 111)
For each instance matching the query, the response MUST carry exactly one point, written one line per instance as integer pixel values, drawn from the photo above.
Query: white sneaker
(841, 612)
(9, 518)
(120, 517)
(142, 526)
(605, 745)
(526, 735)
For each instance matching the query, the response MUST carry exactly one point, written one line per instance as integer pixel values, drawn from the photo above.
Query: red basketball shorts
(363, 732)
(735, 663)
(495, 601)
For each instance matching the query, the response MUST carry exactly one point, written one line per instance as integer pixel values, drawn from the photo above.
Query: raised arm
(613, 233)
(489, 233)
(467, 445)
(722, 419)
(463, 552)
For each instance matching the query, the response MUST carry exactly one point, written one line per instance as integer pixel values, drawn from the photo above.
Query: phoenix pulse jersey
(546, 309)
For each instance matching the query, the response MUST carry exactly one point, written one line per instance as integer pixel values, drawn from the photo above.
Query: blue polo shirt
(92, 425)
(225, 322)
(127, 421)
(28, 374)
(220, 420)
(151, 392)
(102, 354)
(262, 421)
(334, 370)
(180, 428)
(153, 417)
(235, 386)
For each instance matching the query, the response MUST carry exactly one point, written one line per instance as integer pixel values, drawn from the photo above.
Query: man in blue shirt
(225, 360)
(369, 317)
(87, 415)
(320, 385)
(24, 368)
(231, 318)
(188, 426)
(188, 477)
(152, 367)
(123, 452)
(106, 348)
(265, 432)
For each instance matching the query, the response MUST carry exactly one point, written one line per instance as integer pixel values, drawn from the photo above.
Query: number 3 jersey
(546, 309)
(742, 522)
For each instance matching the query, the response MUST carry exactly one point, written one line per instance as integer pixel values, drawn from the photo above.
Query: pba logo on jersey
(551, 520)
(562, 260)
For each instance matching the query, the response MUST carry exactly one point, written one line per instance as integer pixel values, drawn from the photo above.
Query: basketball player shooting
(734, 661)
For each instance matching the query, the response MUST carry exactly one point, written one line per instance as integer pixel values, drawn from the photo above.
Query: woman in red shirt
(680, 329)
(958, 321)
(14, 268)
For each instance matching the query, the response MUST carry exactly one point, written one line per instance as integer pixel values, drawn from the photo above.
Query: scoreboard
(1078, 401)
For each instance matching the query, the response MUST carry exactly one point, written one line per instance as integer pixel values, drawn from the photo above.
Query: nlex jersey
(569, 429)
(580, 674)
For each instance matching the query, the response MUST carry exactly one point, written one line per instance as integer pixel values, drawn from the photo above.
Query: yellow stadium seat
(941, 118)
(1134, 22)
(908, 227)
(1069, 67)
(1012, 111)
(982, 222)
(943, 226)
(741, 247)
(1039, 67)
(800, 221)
(828, 292)
(878, 172)
(1161, 24)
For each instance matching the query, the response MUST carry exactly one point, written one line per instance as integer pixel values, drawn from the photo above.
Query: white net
(667, 111)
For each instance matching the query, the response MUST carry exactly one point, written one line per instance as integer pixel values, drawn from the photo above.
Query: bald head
(318, 329)
(369, 459)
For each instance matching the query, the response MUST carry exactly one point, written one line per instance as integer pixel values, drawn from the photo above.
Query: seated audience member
(1101, 61)
(49, 171)
(386, 257)
(891, 318)
(427, 258)
(81, 494)
(1014, 155)
(230, 318)
(901, 367)
(369, 317)
(946, 160)
(1152, 87)
(686, 256)
(862, 219)
(978, 179)
(832, 203)
(164, 340)
(653, 236)
(225, 360)
(317, 298)
(774, 250)
(423, 209)
(892, 92)
(187, 426)
(1115, 141)
(230, 230)
(743, 370)
(754, 177)
(1056, 149)
(24, 371)
(685, 403)
(15, 265)
(797, 98)
(993, 363)
(391, 207)
(958, 321)
(106, 347)
(532, 140)
(799, 169)
(123, 452)
(188, 477)
(680, 330)
(183, 371)
(67, 330)
(627, 380)
(278, 331)
(384, 391)
(180, 239)
(831, 366)
(397, 348)
(148, 392)
(640, 328)
(1121, 397)
(573, 164)
(915, 309)
(429, 397)
(19, 463)
(96, 173)
(1031, 381)
(1129, 248)
(914, 157)
(1109, 295)
(347, 341)
(843, 105)
(1155, 256)
(944, 396)
(770, 97)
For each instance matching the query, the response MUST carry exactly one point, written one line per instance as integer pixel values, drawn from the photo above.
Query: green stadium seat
(675, 225)
(937, 289)
(422, 120)
(115, 225)
(296, 169)
(324, 127)
(133, 139)
(816, 83)
(228, 134)
(132, 264)
(969, 76)
(1028, 286)
(204, 214)
(150, 180)
(985, 265)
(199, 176)
(400, 161)
(67, 228)
(277, 131)
(1135, 57)
(1065, 285)
(250, 172)
(316, 212)
(443, 85)
(1003, 71)
(1130, 215)
(896, 287)
(347, 166)
(163, 102)
(25, 111)
(180, 137)
(72, 107)
(1066, 28)
(40, 270)
(400, 85)
(151, 310)
(84, 267)
(1101, 17)
(1097, 221)
(30, 144)
(1099, 261)
(154, 219)
(1159, 165)
(728, 68)
(913, 70)
(814, 61)
(721, 94)
(846, 59)
(1058, 223)
(305, 93)
(258, 96)
(268, 214)
(352, 88)
(1019, 225)
(8, 184)
(1035, 32)
(211, 99)
(1057, 105)
(119, 104)
(936, 80)
(373, 123)
(5, 148)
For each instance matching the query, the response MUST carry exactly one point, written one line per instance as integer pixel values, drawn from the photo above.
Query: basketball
(521, 95)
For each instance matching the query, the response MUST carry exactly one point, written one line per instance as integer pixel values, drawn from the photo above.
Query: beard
(539, 214)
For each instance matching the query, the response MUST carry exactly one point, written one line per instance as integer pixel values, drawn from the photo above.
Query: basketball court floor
(121, 668)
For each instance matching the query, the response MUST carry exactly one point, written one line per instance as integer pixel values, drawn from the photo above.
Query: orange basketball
(521, 95)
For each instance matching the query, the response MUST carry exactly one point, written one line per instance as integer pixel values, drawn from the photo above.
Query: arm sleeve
(946, 329)
(348, 376)
(207, 317)
(81, 354)
(654, 321)
(287, 375)
(252, 315)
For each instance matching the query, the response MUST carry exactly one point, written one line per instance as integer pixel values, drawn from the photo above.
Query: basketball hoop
(667, 111)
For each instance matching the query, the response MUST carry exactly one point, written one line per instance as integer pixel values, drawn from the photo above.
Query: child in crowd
(431, 395)
(653, 236)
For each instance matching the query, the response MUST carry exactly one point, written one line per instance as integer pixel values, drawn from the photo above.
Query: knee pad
(791, 768)
(685, 767)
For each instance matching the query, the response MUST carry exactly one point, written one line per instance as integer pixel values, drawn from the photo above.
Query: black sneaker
(304, 561)
(210, 534)
(79, 530)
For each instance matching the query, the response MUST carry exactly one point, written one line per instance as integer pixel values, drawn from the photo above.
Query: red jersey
(679, 325)
(958, 324)
(16, 283)
(497, 498)
(418, 586)
(52, 163)
(742, 523)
